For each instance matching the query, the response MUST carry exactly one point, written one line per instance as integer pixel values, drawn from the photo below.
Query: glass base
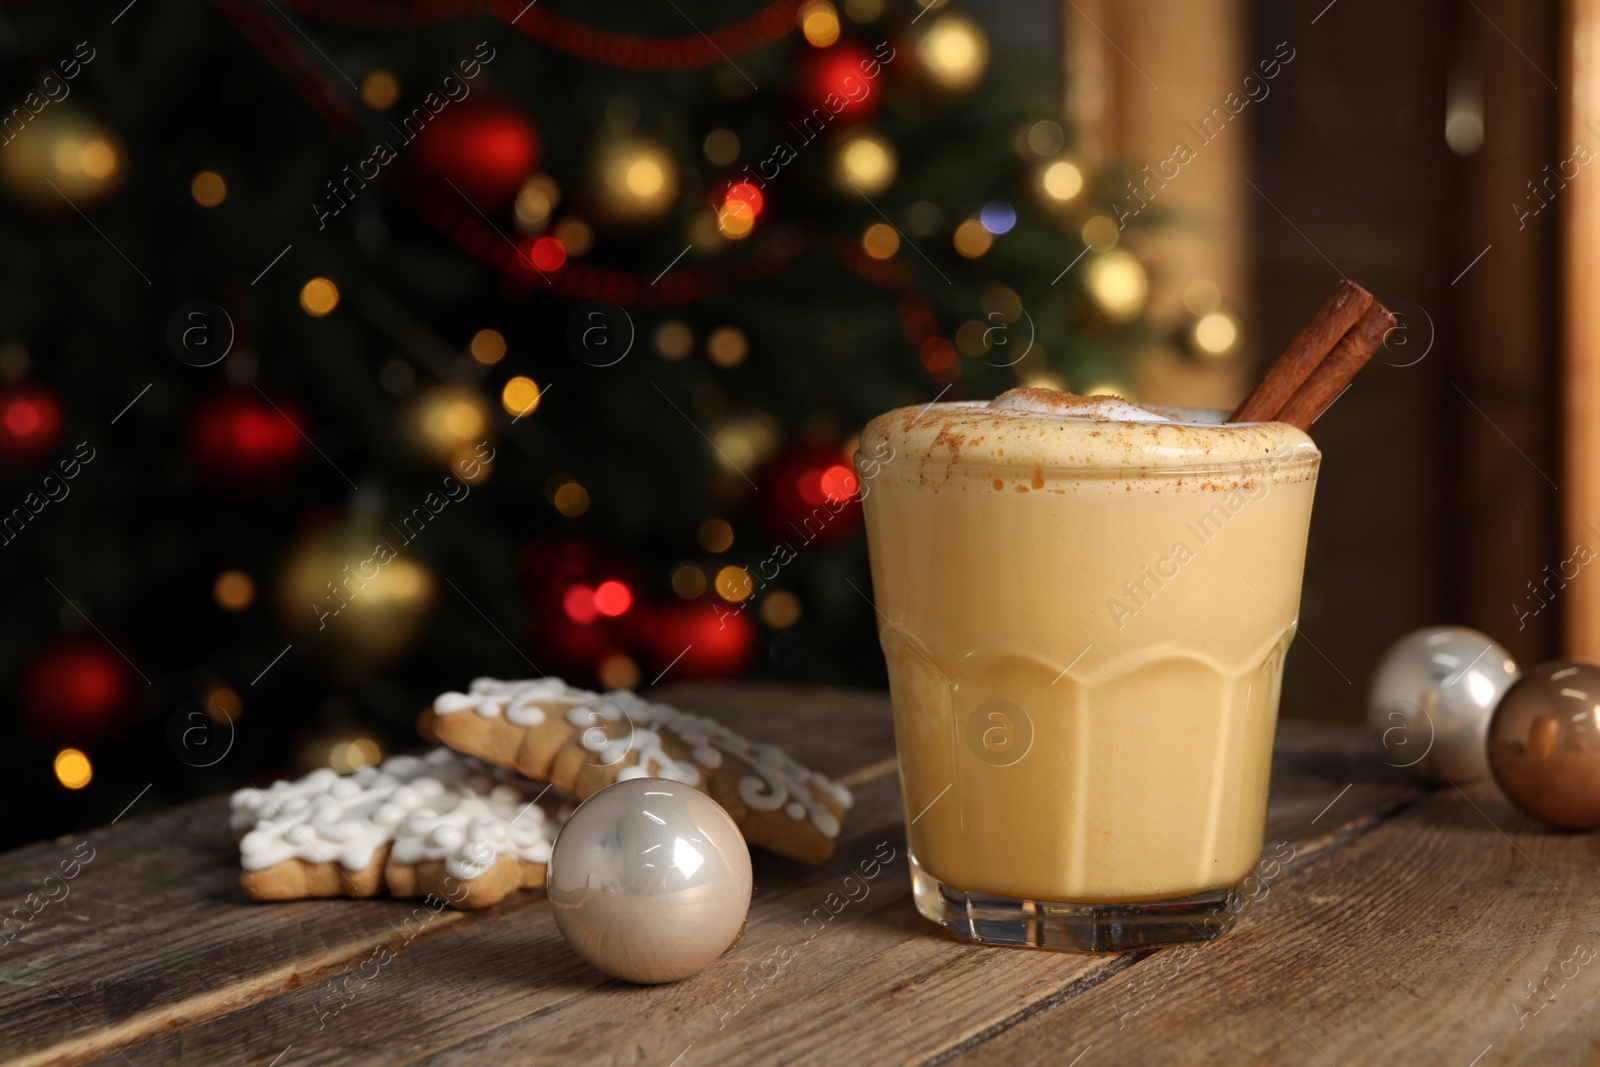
(995, 920)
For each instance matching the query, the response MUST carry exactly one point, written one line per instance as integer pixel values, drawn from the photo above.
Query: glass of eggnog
(1084, 605)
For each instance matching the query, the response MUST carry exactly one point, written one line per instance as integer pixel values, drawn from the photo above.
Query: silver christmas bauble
(649, 880)
(1432, 696)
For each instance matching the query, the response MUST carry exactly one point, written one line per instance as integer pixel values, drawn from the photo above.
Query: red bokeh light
(748, 194)
(612, 598)
(839, 483)
(579, 604)
(546, 253)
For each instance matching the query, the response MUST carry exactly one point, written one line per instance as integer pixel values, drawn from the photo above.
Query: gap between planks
(191, 1011)
(201, 1008)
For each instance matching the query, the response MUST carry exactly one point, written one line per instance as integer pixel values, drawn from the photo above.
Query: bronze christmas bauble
(1544, 744)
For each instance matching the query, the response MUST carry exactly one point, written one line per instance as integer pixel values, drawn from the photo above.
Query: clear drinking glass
(1084, 662)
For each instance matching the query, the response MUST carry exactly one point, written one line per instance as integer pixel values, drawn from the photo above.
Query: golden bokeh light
(571, 499)
(520, 396)
(487, 347)
(638, 180)
(734, 584)
(354, 754)
(537, 198)
(736, 219)
(1117, 282)
(716, 535)
(223, 704)
(575, 236)
(954, 52)
(865, 163)
(619, 671)
(1215, 333)
(972, 240)
(780, 610)
(380, 90)
(819, 22)
(1101, 233)
(880, 241)
(727, 346)
(73, 768)
(318, 297)
(673, 340)
(1061, 180)
(208, 188)
(233, 590)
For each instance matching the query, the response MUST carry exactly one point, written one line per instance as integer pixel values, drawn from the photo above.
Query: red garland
(689, 52)
(289, 56)
(450, 216)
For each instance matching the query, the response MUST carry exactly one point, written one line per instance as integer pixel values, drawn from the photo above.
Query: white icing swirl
(621, 723)
(523, 701)
(443, 806)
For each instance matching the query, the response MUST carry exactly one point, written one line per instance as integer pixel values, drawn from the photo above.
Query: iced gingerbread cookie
(582, 742)
(441, 824)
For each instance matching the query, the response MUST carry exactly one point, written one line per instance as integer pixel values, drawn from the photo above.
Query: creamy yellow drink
(1085, 606)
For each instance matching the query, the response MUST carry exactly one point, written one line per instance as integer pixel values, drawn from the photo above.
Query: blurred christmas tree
(546, 331)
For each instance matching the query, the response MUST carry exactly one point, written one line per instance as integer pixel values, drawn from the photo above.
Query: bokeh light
(233, 590)
(208, 188)
(73, 768)
(488, 347)
(520, 396)
(318, 297)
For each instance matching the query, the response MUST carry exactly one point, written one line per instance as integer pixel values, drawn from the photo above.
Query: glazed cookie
(582, 742)
(441, 824)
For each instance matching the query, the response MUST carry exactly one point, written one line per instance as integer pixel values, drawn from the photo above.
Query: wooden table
(1409, 926)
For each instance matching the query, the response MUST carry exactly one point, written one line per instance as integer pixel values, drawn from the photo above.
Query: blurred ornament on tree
(63, 155)
(809, 497)
(240, 438)
(484, 146)
(450, 420)
(76, 689)
(30, 421)
(843, 71)
(700, 639)
(636, 181)
(347, 591)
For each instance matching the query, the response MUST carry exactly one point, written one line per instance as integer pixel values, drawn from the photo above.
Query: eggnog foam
(1045, 428)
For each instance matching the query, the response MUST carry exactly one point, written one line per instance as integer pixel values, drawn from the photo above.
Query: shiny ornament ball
(1544, 744)
(241, 439)
(77, 689)
(1431, 699)
(649, 880)
(355, 594)
(481, 149)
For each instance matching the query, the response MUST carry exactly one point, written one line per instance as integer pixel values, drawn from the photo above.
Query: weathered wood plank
(874, 980)
(1457, 930)
(154, 935)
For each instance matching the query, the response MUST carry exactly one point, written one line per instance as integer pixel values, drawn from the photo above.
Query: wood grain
(155, 935)
(1415, 943)
(818, 977)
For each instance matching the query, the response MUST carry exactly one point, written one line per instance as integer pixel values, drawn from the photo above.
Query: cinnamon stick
(1339, 312)
(1323, 386)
